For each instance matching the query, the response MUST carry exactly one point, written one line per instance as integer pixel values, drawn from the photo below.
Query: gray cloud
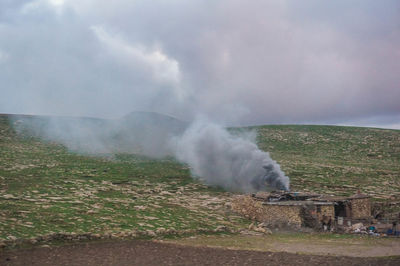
(236, 61)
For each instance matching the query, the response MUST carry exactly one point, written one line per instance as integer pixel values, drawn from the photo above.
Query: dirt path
(154, 253)
(306, 244)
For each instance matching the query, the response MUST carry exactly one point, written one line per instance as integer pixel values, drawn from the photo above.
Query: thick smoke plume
(232, 162)
(214, 155)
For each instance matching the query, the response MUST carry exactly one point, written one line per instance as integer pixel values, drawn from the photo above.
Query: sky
(236, 62)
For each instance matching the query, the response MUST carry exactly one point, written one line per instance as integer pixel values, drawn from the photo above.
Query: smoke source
(222, 159)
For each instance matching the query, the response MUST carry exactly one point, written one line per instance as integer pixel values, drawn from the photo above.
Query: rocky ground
(49, 193)
(336, 160)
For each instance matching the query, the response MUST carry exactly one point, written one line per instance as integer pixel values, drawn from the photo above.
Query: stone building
(360, 206)
(297, 210)
(351, 209)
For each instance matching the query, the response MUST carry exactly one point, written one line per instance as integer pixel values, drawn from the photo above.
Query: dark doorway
(340, 209)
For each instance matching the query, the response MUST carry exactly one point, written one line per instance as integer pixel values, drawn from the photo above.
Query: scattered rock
(264, 225)
(357, 226)
(151, 233)
(251, 233)
(260, 229)
(268, 231)
(96, 236)
(221, 228)
(251, 226)
(263, 230)
(151, 218)
(160, 231)
(12, 238)
(9, 196)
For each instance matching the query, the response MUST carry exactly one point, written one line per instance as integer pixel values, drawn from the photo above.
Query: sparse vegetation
(336, 160)
(44, 188)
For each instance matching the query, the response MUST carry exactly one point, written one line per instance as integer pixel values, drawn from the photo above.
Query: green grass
(336, 160)
(44, 188)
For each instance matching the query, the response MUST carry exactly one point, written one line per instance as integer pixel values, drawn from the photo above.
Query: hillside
(336, 160)
(46, 189)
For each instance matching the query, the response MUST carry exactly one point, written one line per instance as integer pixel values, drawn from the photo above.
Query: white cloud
(57, 2)
(36, 5)
(164, 69)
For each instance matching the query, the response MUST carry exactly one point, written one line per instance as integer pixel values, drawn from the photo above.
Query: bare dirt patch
(318, 244)
(153, 253)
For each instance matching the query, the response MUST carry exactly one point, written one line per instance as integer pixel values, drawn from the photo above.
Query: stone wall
(328, 210)
(283, 215)
(248, 207)
(360, 208)
(273, 215)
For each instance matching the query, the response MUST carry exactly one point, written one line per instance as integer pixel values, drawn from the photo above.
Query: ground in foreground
(304, 243)
(153, 253)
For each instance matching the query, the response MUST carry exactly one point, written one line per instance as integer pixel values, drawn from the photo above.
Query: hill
(46, 189)
(144, 133)
(336, 160)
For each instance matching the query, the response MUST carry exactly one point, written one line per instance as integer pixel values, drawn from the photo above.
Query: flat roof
(359, 196)
(297, 203)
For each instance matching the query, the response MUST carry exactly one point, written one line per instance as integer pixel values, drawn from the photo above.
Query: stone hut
(360, 206)
(356, 207)
(297, 210)
(285, 213)
(299, 213)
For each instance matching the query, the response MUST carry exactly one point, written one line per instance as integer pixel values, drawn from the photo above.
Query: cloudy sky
(237, 62)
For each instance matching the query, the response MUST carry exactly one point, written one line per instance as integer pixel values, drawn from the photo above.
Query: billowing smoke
(143, 133)
(232, 162)
(215, 156)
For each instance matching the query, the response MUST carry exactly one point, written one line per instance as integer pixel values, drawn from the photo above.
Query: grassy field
(46, 189)
(336, 160)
